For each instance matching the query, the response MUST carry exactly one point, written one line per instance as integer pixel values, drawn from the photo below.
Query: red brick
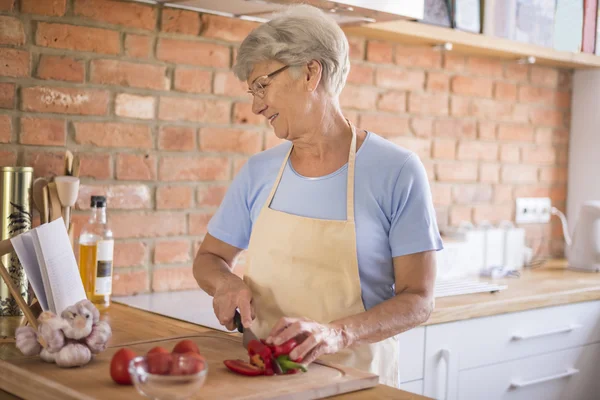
(173, 279)
(7, 95)
(360, 97)
(492, 213)
(537, 95)
(485, 66)
(466, 194)
(460, 106)
(124, 73)
(503, 194)
(547, 117)
(428, 103)
(510, 153)
(420, 146)
(7, 5)
(230, 140)
(194, 110)
(421, 127)
(172, 251)
(95, 165)
(147, 224)
(46, 163)
(538, 155)
(8, 158)
(174, 20)
(357, 47)
(551, 136)
(532, 191)
(544, 76)
(136, 167)
(380, 52)
(225, 28)
(15, 63)
(61, 68)
(125, 197)
(238, 163)
(562, 99)
(78, 38)
(55, 8)
(65, 100)
(134, 106)
(565, 79)
(486, 130)
(437, 82)
(178, 138)
(192, 52)
(138, 46)
(516, 133)
(554, 174)
(193, 80)
(489, 173)
(193, 168)
(505, 91)
(484, 151)
(387, 125)
(128, 14)
(460, 214)
(227, 84)
(454, 62)
(11, 31)
(174, 197)
(418, 56)
(399, 79)
(361, 74)
(130, 254)
(441, 194)
(211, 195)
(519, 174)
(562, 156)
(198, 223)
(5, 129)
(113, 134)
(558, 194)
(464, 129)
(392, 101)
(130, 283)
(469, 86)
(494, 110)
(444, 149)
(517, 72)
(43, 131)
(242, 114)
(456, 172)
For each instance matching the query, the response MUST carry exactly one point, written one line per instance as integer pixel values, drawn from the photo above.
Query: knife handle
(237, 319)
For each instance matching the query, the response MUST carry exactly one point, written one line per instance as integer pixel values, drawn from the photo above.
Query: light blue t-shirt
(393, 208)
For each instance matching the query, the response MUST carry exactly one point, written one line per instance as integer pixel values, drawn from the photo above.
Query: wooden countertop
(551, 284)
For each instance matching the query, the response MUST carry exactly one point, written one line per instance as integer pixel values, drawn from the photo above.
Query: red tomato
(119, 366)
(159, 363)
(187, 364)
(158, 349)
(186, 346)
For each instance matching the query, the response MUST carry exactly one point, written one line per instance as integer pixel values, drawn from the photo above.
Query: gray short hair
(297, 35)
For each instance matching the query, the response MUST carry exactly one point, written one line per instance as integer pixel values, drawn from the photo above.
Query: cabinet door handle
(520, 384)
(446, 357)
(542, 334)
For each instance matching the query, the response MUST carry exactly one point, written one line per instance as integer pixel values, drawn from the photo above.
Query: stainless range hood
(345, 12)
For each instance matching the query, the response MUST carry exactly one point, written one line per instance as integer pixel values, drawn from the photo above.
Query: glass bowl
(167, 376)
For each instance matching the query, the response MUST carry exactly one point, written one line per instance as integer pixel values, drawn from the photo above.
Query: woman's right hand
(233, 293)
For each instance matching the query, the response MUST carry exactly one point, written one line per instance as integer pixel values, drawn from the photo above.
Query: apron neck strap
(350, 182)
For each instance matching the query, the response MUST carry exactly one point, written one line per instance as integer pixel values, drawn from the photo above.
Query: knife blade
(248, 336)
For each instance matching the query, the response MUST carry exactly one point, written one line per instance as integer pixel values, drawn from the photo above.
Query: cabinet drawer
(411, 346)
(413, 387)
(566, 374)
(489, 340)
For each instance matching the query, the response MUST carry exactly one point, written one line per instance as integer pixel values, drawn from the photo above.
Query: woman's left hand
(314, 339)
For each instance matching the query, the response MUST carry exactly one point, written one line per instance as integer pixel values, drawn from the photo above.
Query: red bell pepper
(261, 356)
(284, 348)
(243, 368)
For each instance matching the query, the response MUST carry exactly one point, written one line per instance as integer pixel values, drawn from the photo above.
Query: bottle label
(104, 264)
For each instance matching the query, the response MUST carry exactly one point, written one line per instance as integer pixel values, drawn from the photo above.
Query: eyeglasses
(259, 84)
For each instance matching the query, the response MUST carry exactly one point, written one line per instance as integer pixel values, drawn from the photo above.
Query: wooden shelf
(419, 33)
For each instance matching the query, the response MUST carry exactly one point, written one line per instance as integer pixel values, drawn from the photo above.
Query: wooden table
(133, 325)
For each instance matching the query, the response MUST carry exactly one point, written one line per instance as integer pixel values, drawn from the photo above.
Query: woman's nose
(258, 105)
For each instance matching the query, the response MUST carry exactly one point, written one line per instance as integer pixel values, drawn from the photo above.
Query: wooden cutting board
(35, 379)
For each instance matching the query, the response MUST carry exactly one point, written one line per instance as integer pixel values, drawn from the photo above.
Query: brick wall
(147, 98)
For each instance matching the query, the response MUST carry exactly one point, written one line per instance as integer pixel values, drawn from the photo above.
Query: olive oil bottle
(96, 248)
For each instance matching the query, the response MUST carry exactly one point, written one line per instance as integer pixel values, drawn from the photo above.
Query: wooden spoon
(75, 169)
(55, 206)
(38, 197)
(45, 202)
(68, 162)
(68, 190)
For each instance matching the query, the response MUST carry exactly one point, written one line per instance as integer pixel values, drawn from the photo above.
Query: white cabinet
(413, 387)
(412, 348)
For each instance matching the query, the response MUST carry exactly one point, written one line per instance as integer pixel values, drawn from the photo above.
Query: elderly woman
(338, 223)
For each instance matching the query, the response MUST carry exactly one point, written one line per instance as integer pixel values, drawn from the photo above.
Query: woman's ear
(314, 70)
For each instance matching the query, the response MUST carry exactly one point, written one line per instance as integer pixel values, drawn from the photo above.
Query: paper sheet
(25, 250)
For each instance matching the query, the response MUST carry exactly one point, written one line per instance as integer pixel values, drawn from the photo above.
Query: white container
(514, 246)
(494, 238)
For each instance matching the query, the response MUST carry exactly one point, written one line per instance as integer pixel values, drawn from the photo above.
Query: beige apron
(307, 267)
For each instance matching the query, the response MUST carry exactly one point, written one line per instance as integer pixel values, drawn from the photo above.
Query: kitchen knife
(248, 336)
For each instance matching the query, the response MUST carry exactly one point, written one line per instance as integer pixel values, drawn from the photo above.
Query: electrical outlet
(533, 210)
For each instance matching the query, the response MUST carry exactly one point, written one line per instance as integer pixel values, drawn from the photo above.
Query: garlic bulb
(73, 355)
(26, 341)
(79, 321)
(52, 334)
(47, 356)
(97, 340)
